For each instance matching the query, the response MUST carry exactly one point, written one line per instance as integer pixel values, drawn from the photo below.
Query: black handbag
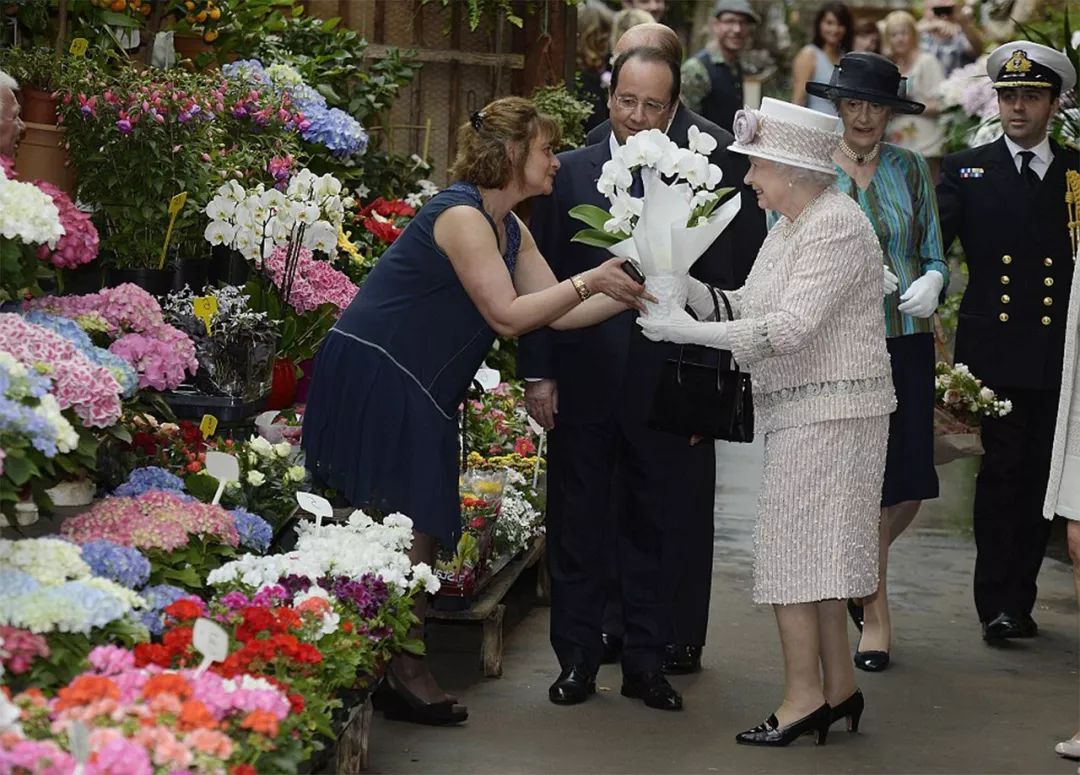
(704, 399)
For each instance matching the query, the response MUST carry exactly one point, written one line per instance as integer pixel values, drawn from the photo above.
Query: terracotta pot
(38, 107)
(41, 156)
(283, 387)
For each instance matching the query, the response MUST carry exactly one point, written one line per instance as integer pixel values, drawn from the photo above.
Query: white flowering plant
(963, 395)
(28, 219)
(668, 228)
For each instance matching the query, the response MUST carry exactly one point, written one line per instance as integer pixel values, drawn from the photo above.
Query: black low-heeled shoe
(771, 733)
(871, 661)
(855, 611)
(851, 709)
(400, 704)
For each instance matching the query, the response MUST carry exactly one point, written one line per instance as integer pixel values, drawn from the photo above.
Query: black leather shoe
(1008, 626)
(612, 649)
(851, 709)
(573, 686)
(680, 659)
(653, 688)
(872, 661)
(855, 611)
(770, 732)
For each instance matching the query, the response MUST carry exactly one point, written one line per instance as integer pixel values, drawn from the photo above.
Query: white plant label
(315, 504)
(536, 427)
(211, 641)
(79, 740)
(489, 379)
(224, 468)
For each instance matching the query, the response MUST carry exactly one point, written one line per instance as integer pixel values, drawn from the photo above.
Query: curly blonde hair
(494, 145)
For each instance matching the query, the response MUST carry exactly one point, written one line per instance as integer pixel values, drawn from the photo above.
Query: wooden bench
(487, 607)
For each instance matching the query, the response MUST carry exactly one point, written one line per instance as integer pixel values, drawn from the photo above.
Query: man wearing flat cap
(713, 78)
(1006, 202)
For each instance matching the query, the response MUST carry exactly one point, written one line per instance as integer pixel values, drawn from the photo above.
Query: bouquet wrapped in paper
(667, 229)
(961, 402)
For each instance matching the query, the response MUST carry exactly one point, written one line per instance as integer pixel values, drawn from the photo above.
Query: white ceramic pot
(78, 493)
(26, 513)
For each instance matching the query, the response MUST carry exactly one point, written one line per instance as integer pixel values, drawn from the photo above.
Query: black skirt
(909, 464)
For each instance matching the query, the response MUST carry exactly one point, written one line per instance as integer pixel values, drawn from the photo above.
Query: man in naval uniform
(1006, 202)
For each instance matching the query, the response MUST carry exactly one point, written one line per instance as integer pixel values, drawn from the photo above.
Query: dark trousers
(1010, 531)
(622, 485)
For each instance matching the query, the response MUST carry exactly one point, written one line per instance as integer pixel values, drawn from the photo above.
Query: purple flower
(235, 600)
(254, 531)
(124, 126)
(149, 478)
(122, 564)
(294, 583)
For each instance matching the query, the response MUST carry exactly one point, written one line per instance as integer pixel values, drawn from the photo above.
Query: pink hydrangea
(109, 660)
(41, 757)
(316, 282)
(89, 389)
(153, 520)
(119, 755)
(79, 245)
(159, 353)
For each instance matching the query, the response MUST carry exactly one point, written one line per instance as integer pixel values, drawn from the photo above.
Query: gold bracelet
(581, 287)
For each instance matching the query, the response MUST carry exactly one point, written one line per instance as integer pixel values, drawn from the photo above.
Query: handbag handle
(716, 311)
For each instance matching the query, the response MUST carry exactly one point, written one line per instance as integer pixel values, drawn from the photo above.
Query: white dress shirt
(1040, 163)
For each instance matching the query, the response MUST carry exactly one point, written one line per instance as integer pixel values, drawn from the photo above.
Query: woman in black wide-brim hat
(895, 190)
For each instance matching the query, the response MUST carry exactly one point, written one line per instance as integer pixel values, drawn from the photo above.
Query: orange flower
(261, 721)
(315, 605)
(195, 715)
(169, 683)
(86, 689)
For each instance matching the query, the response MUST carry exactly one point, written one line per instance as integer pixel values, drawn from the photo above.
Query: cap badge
(1018, 62)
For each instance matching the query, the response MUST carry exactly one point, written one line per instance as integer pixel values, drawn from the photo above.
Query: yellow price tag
(79, 46)
(205, 309)
(208, 425)
(176, 204)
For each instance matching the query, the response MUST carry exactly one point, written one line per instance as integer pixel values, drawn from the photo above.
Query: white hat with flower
(788, 134)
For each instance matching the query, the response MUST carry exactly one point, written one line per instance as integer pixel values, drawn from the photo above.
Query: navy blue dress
(381, 424)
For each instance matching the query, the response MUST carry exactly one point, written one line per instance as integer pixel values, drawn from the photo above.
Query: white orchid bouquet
(666, 230)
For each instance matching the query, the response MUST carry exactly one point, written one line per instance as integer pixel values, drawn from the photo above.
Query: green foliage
(36, 67)
(568, 110)
(188, 567)
(68, 652)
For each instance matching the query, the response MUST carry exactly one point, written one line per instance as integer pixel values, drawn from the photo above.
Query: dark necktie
(1031, 178)
(637, 188)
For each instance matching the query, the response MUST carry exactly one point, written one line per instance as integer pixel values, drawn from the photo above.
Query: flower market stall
(214, 205)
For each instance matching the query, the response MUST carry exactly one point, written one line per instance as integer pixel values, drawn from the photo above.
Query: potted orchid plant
(666, 230)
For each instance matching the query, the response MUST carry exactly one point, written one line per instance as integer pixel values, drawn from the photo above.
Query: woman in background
(834, 31)
(920, 132)
(593, 49)
(867, 37)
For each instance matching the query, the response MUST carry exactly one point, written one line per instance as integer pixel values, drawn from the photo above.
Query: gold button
(1049, 281)
(1004, 279)
(1005, 298)
(1048, 302)
(1048, 261)
(1006, 259)
(1046, 321)
(1004, 317)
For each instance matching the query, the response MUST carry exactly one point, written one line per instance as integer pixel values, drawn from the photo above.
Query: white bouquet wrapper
(664, 246)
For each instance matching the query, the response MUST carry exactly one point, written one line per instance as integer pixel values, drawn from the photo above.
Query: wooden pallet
(487, 609)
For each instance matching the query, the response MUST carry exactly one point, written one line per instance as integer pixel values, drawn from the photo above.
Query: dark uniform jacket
(1011, 332)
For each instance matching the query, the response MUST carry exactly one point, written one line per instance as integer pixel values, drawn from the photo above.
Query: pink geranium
(315, 282)
(90, 390)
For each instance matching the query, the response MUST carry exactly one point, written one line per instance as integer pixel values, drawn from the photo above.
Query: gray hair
(802, 176)
(7, 82)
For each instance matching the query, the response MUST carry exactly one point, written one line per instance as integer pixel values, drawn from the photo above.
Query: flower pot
(193, 272)
(87, 278)
(26, 513)
(307, 366)
(38, 107)
(77, 493)
(283, 387)
(41, 155)
(227, 266)
(158, 282)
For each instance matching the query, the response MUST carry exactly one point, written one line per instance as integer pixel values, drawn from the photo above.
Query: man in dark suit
(604, 460)
(1006, 203)
(689, 544)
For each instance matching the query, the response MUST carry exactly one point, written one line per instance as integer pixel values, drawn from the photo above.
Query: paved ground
(947, 704)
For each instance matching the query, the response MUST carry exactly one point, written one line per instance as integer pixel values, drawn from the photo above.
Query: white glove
(680, 328)
(921, 298)
(700, 300)
(892, 282)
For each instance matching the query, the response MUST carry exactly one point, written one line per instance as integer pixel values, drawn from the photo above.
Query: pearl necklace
(859, 158)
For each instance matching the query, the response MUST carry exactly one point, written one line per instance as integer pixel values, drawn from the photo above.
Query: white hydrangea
(67, 438)
(46, 560)
(28, 214)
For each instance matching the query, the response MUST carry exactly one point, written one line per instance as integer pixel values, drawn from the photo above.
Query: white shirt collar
(1042, 151)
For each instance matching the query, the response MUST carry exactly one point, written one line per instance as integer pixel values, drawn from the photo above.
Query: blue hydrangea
(14, 583)
(150, 478)
(250, 70)
(18, 418)
(122, 564)
(255, 532)
(122, 371)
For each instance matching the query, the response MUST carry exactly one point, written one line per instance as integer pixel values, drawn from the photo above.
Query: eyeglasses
(630, 104)
(875, 109)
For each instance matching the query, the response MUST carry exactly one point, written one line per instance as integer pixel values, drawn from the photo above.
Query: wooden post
(62, 32)
(352, 747)
(491, 647)
(550, 35)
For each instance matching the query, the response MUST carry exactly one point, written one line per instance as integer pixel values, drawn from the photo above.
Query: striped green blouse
(902, 207)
